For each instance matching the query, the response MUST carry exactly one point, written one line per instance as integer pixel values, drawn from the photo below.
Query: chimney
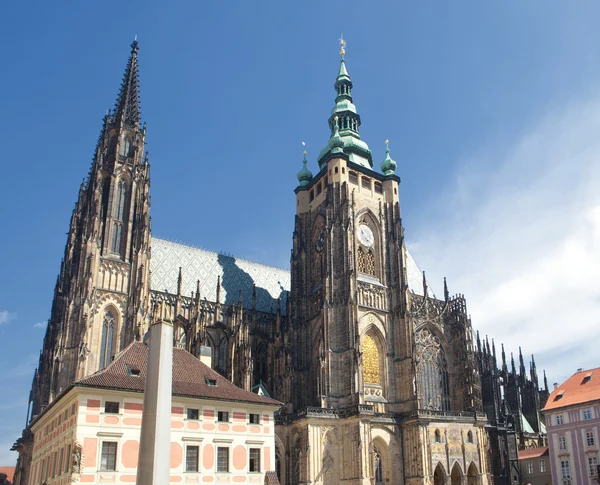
(206, 356)
(555, 385)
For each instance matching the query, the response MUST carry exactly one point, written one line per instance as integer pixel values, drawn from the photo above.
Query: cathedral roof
(207, 266)
(190, 377)
(235, 274)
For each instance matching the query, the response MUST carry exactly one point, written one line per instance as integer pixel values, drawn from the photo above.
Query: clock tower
(347, 289)
(384, 384)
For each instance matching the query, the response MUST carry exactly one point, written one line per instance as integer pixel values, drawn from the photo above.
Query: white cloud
(520, 237)
(6, 317)
(40, 325)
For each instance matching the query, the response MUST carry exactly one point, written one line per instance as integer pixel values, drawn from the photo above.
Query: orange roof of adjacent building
(533, 453)
(581, 387)
(9, 471)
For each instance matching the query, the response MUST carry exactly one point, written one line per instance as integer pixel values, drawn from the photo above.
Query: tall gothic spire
(345, 118)
(127, 108)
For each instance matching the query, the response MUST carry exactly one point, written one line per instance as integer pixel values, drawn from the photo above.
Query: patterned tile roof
(581, 387)
(189, 377)
(236, 274)
(205, 266)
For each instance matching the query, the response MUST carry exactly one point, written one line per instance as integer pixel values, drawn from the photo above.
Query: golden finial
(387, 142)
(342, 46)
(335, 118)
(304, 152)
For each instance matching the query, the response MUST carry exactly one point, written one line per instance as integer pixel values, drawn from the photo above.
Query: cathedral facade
(382, 382)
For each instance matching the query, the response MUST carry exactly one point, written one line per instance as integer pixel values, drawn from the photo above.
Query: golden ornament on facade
(370, 359)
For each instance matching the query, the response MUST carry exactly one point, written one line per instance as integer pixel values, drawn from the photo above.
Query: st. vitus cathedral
(382, 382)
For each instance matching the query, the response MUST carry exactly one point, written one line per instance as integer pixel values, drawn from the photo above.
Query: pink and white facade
(573, 423)
(91, 435)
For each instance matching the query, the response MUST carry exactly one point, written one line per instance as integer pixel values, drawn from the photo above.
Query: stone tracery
(432, 370)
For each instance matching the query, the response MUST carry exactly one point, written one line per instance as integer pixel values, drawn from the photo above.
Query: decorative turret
(388, 166)
(304, 175)
(345, 118)
(127, 108)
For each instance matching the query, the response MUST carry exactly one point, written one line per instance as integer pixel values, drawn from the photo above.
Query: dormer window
(210, 382)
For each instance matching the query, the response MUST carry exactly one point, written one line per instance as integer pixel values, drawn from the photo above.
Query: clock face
(365, 235)
(320, 243)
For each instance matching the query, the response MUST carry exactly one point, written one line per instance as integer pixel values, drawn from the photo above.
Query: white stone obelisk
(155, 438)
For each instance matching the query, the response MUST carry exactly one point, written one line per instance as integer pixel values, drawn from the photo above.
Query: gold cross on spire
(342, 46)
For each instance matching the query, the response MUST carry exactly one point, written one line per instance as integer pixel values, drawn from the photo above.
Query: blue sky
(492, 110)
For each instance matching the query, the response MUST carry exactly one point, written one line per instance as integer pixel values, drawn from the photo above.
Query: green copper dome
(388, 166)
(304, 175)
(344, 123)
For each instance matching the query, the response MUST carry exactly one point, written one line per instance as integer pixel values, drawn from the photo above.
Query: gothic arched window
(377, 467)
(366, 261)
(370, 361)
(222, 356)
(125, 147)
(106, 340)
(432, 371)
(116, 238)
(120, 200)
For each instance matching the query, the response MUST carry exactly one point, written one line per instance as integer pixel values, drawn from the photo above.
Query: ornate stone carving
(372, 296)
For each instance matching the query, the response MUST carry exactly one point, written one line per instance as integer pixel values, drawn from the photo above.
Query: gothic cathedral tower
(385, 387)
(101, 295)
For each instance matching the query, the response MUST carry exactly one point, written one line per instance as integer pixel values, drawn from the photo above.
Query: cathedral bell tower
(346, 251)
(101, 296)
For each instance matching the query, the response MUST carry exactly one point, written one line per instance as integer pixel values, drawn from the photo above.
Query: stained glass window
(432, 370)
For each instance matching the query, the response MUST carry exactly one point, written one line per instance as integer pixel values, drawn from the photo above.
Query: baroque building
(383, 382)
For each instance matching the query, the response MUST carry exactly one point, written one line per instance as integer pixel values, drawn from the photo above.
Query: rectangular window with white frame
(562, 443)
(559, 419)
(192, 454)
(193, 413)
(587, 414)
(589, 438)
(529, 467)
(593, 465)
(542, 466)
(223, 416)
(111, 407)
(254, 460)
(108, 457)
(565, 470)
(222, 459)
(254, 418)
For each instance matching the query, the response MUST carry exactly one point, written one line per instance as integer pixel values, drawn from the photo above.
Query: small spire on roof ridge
(388, 166)
(305, 175)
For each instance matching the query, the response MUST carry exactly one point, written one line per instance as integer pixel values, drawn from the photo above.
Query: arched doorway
(456, 475)
(439, 476)
(472, 475)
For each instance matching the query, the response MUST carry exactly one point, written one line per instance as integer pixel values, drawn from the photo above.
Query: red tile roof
(190, 377)
(581, 387)
(533, 453)
(9, 471)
